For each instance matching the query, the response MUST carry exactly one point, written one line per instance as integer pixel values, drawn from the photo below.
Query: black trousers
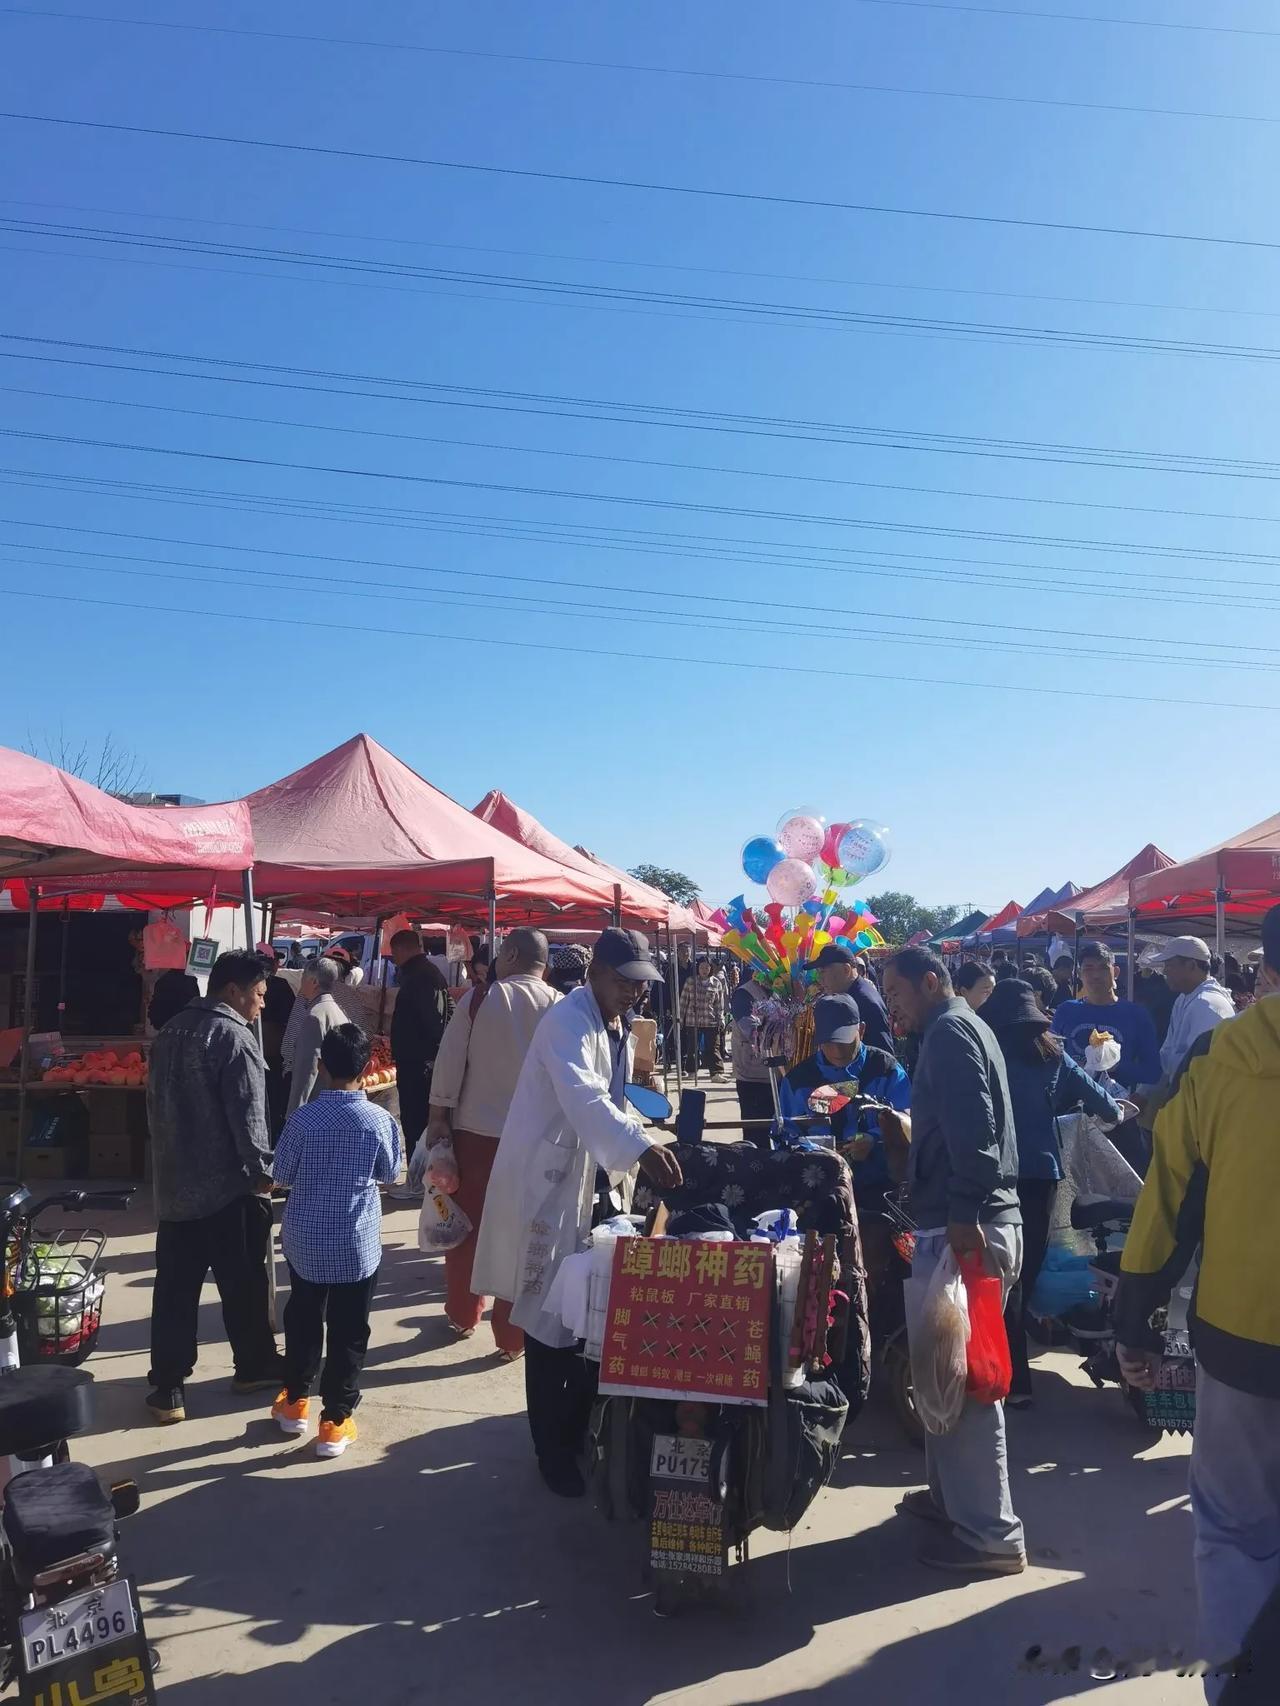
(755, 1102)
(235, 1243)
(330, 1321)
(413, 1088)
(559, 1390)
(1036, 1197)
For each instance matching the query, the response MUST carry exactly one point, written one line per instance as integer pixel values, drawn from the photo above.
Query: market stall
(59, 834)
(1227, 888)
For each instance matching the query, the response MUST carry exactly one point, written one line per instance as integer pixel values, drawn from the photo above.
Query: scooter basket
(57, 1299)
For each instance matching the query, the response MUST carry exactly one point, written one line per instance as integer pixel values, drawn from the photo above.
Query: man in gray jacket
(962, 1171)
(211, 1164)
(321, 1014)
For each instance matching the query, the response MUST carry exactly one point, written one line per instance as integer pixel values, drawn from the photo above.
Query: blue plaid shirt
(332, 1154)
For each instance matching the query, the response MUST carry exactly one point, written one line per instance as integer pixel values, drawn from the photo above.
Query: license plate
(1177, 1374)
(84, 1624)
(678, 1459)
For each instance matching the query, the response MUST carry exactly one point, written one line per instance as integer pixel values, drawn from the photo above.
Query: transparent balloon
(865, 848)
(792, 882)
(801, 837)
(759, 856)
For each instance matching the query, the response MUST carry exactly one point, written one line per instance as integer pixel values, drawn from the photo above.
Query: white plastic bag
(441, 1224)
(442, 1167)
(939, 1348)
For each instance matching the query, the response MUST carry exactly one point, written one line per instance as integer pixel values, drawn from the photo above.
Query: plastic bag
(442, 1168)
(990, 1370)
(939, 1361)
(441, 1224)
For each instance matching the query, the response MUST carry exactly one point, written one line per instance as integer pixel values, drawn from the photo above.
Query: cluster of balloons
(806, 866)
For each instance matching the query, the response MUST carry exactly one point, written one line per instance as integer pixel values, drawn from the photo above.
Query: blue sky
(991, 790)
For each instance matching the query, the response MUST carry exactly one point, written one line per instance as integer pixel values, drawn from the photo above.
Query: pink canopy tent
(357, 832)
(681, 918)
(636, 902)
(1236, 881)
(55, 826)
(1103, 906)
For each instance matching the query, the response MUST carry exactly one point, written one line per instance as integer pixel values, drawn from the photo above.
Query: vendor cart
(729, 1360)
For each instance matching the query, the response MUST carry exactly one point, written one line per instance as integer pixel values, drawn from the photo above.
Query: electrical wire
(1202, 554)
(549, 405)
(647, 186)
(786, 619)
(677, 71)
(648, 266)
(1072, 17)
(637, 461)
(632, 657)
(1107, 583)
(572, 293)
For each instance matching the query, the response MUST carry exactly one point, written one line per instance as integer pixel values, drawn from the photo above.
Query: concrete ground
(430, 1564)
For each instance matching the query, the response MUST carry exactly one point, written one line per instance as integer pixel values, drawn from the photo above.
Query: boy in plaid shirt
(332, 1155)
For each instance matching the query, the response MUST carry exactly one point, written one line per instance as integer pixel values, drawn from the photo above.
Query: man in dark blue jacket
(963, 1174)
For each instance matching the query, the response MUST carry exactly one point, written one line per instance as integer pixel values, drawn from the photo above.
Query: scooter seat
(41, 1405)
(1087, 1216)
(57, 1513)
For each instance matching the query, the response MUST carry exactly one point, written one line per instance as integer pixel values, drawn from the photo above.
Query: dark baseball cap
(836, 1020)
(833, 955)
(627, 953)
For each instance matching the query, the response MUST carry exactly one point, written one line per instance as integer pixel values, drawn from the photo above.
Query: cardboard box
(114, 1156)
(57, 1161)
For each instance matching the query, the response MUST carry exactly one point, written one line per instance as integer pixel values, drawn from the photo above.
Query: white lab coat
(561, 1125)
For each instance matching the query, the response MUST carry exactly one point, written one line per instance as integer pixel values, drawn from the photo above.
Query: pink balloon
(801, 837)
(792, 882)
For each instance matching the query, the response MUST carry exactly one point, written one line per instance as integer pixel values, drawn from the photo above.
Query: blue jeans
(968, 1468)
(1235, 1506)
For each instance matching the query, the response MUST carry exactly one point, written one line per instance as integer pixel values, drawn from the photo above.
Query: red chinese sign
(689, 1319)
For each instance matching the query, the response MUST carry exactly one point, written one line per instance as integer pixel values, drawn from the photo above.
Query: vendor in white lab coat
(568, 1115)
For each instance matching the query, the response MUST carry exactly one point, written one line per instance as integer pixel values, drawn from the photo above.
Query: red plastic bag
(990, 1372)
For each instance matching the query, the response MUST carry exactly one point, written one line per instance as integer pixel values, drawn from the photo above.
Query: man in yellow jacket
(1215, 1181)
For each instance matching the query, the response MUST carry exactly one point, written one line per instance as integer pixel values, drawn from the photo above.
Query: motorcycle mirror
(651, 1103)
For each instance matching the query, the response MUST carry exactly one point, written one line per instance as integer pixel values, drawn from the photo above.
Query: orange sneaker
(292, 1418)
(335, 1437)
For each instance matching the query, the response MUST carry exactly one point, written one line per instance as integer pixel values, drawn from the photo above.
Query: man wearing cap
(1202, 1002)
(842, 1062)
(1214, 1180)
(837, 970)
(568, 1115)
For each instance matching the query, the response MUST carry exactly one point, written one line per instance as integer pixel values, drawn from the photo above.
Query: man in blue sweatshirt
(843, 1062)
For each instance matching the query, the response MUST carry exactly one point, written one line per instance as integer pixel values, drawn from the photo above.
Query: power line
(649, 265)
(571, 293)
(1204, 554)
(636, 461)
(1072, 17)
(787, 429)
(1108, 582)
(632, 657)
(649, 186)
(690, 72)
(1128, 640)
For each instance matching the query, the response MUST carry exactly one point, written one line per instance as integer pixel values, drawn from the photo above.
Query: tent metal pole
(493, 925)
(616, 918)
(1132, 975)
(247, 895)
(677, 1045)
(1220, 920)
(28, 1010)
(62, 960)
(693, 972)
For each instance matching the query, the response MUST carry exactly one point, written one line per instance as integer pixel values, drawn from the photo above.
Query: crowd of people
(958, 1077)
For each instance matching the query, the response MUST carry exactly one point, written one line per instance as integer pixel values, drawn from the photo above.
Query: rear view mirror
(651, 1103)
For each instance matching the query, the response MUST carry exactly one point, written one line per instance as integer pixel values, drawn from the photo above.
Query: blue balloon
(760, 855)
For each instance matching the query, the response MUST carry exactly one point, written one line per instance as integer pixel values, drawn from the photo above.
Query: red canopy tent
(1103, 906)
(636, 903)
(998, 921)
(1236, 881)
(358, 832)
